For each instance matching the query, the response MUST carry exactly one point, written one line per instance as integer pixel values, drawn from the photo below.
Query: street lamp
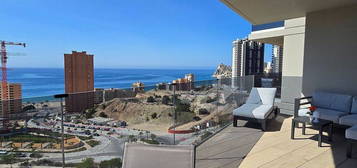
(175, 114)
(61, 96)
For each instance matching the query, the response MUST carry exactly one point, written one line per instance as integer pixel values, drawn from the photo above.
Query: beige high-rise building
(79, 81)
(13, 102)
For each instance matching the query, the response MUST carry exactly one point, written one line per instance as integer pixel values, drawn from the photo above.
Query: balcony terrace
(248, 147)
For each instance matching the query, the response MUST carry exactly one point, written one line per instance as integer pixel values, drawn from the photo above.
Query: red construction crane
(4, 75)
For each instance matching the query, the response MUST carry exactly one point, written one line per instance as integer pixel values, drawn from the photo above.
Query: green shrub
(35, 155)
(203, 111)
(154, 116)
(87, 163)
(182, 107)
(132, 138)
(84, 138)
(165, 100)
(210, 100)
(150, 141)
(150, 99)
(31, 138)
(93, 143)
(102, 114)
(7, 159)
(206, 135)
(113, 163)
(89, 113)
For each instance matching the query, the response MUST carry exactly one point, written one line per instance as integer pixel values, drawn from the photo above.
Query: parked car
(19, 154)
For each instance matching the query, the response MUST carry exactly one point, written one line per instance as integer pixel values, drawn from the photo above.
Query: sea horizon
(141, 68)
(38, 82)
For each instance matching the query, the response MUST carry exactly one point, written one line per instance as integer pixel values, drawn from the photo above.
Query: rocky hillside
(135, 111)
(154, 110)
(223, 71)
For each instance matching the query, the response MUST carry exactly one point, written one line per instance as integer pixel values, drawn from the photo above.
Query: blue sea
(38, 82)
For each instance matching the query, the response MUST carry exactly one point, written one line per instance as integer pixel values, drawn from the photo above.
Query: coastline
(43, 82)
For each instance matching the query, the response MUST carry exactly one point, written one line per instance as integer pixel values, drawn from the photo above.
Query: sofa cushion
(261, 96)
(258, 111)
(351, 133)
(328, 114)
(354, 105)
(332, 101)
(349, 120)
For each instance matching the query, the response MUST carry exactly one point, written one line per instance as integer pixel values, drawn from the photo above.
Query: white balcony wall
(330, 61)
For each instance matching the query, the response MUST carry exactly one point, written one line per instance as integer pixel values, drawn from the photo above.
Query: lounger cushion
(254, 97)
(328, 114)
(332, 101)
(258, 111)
(349, 120)
(303, 112)
(262, 96)
(354, 105)
(351, 133)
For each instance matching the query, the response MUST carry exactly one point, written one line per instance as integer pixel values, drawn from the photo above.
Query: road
(110, 147)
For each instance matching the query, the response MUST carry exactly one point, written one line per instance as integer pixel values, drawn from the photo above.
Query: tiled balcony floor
(276, 149)
(273, 148)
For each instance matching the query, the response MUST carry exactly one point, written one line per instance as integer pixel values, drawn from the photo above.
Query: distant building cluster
(138, 87)
(184, 84)
(103, 95)
(268, 68)
(181, 84)
(163, 86)
(79, 81)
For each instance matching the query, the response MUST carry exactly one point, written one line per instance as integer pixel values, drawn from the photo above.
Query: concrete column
(293, 58)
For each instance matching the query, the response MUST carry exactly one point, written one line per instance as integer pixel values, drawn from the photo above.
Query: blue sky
(122, 33)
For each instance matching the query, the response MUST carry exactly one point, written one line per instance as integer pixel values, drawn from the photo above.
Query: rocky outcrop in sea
(223, 71)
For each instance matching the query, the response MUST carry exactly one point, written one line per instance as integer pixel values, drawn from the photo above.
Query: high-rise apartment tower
(277, 59)
(13, 102)
(247, 59)
(79, 81)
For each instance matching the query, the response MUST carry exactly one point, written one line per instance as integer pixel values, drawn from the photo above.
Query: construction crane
(4, 96)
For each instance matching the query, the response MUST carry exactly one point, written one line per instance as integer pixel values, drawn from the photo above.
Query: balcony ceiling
(266, 11)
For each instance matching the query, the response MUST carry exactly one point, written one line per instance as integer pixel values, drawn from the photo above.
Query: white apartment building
(277, 59)
(247, 59)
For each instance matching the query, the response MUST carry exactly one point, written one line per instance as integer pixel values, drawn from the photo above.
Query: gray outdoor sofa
(259, 107)
(341, 109)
